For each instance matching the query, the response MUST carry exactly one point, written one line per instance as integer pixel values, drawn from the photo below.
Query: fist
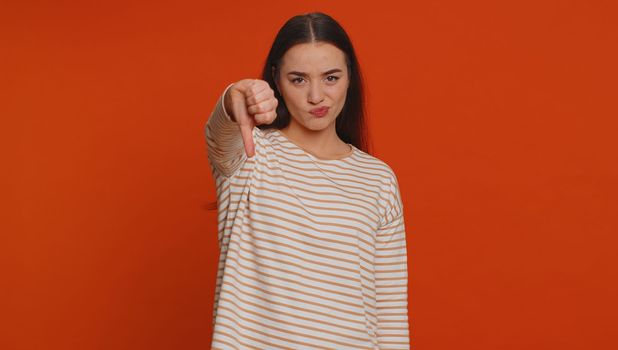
(251, 102)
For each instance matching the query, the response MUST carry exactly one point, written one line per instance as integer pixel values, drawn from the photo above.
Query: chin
(314, 124)
(319, 124)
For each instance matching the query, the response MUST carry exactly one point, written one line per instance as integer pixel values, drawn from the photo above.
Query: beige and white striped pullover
(312, 252)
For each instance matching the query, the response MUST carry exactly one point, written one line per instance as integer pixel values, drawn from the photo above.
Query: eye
(333, 76)
(295, 79)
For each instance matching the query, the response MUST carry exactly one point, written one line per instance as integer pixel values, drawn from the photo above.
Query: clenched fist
(251, 102)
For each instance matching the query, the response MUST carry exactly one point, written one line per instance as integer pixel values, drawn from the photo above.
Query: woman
(311, 228)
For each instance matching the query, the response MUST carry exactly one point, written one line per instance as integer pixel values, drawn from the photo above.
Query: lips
(320, 111)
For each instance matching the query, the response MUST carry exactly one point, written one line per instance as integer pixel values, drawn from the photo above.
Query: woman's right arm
(229, 133)
(226, 151)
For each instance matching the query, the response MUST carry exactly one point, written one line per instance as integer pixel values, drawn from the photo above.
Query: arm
(391, 277)
(225, 146)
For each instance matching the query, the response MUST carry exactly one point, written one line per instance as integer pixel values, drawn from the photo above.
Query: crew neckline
(313, 156)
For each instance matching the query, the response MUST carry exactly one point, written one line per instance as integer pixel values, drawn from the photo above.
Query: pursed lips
(319, 110)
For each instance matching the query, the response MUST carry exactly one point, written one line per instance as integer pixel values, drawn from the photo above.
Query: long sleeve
(226, 151)
(391, 276)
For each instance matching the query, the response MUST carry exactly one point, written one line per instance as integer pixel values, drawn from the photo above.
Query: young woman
(311, 228)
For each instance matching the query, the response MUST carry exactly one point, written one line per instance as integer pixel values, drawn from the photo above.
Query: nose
(316, 94)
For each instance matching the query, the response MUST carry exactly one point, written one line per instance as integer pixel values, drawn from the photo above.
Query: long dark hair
(315, 27)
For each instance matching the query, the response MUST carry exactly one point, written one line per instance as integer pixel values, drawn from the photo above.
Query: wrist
(227, 105)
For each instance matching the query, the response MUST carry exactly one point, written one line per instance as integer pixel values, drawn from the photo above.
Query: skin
(251, 102)
(303, 93)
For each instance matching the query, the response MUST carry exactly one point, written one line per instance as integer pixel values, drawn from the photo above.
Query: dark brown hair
(311, 28)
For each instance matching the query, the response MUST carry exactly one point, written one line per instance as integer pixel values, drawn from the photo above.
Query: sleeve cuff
(225, 113)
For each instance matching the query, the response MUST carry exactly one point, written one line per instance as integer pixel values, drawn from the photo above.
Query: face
(313, 75)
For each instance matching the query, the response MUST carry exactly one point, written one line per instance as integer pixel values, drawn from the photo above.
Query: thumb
(245, 123)
(246, 131)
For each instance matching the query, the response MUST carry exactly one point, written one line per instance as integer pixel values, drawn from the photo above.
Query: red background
(499, 119)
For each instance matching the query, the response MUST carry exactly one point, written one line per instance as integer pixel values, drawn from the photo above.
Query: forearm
(224, 140)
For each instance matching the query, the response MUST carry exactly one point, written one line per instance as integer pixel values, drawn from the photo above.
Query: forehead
(313, 57)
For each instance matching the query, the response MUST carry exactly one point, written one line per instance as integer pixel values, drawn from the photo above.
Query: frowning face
(313, 75)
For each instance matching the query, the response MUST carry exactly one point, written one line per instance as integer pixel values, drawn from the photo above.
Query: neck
(322, 142)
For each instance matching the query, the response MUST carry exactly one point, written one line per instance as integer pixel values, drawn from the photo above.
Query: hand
(252, 102)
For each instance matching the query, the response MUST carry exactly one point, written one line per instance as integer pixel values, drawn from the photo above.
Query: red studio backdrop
(499, 119)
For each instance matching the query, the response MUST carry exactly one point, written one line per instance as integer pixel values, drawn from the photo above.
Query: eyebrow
(303, 74)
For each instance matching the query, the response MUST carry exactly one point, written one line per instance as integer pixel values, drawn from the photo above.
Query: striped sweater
(312, 251)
